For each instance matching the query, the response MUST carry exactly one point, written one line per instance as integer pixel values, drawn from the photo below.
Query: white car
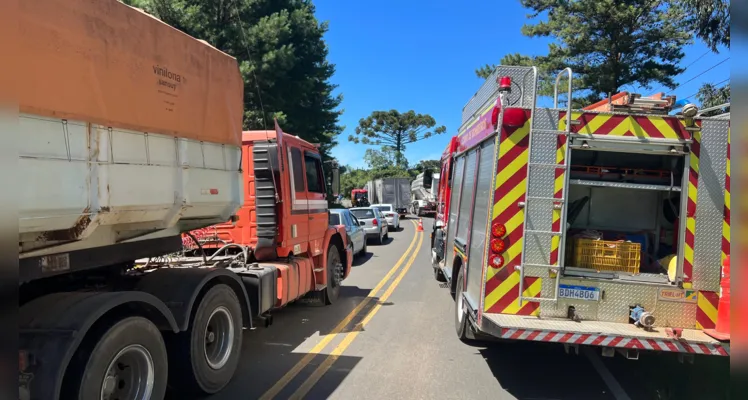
(393, 219)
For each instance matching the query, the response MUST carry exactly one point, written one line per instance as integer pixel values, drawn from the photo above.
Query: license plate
(579, 292)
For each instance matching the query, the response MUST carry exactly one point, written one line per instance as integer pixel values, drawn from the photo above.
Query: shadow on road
(531, 370)
(268, 353)
(362, 259)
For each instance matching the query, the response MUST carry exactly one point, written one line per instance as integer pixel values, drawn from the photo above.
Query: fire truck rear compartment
(625, 198)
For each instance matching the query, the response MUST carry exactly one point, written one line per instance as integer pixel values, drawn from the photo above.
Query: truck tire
(461, 317)
(205, 357)
(334, 274)
(127, 361)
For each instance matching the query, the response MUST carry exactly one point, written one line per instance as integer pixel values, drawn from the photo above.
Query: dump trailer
(131, 134)
(395, 191)
(587, 228)
(423, 198)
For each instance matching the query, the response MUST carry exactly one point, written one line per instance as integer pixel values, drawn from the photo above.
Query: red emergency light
(505, 83)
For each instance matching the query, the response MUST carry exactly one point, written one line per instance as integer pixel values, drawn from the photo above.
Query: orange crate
(605, 255)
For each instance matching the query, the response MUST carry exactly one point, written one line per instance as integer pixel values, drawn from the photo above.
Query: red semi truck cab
(283, 223)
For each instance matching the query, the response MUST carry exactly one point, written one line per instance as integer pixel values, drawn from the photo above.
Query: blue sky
(421, 55)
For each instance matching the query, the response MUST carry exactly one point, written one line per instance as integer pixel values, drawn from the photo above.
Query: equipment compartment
(623, 215)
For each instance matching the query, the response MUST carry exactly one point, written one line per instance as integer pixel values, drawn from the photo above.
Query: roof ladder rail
(546, 160)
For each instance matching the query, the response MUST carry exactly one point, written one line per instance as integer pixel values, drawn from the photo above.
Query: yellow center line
(291, 374)
(348, 339)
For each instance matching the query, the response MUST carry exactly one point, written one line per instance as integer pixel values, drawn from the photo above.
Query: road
(397, 341)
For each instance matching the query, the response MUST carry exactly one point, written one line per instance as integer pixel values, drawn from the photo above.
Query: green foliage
(380, 159)
(431, 165)
(708, 19)
(607, 43)
(352, 179)
(282, 56)
(712, 96)
(394, 130)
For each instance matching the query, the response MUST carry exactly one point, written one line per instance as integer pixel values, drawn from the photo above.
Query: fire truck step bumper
(597, 333)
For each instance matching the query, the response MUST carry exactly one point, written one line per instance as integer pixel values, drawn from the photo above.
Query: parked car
(356, 234)
(392, 217)
(373, 222)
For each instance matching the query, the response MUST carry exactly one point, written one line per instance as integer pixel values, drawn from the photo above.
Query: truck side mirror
(335, 181)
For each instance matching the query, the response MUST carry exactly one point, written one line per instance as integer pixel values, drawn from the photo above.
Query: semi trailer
(131, 135)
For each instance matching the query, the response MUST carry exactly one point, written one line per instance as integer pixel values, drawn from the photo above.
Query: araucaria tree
(610, 43)
(394, 130)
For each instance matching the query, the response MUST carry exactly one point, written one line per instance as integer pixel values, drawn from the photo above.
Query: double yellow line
(320, 371)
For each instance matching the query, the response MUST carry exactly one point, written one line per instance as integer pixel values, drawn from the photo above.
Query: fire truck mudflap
(581, 207)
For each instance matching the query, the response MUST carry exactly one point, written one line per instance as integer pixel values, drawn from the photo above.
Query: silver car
(373, 222)
(356, 234)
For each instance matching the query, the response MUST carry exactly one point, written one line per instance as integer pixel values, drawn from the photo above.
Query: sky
(421, 55)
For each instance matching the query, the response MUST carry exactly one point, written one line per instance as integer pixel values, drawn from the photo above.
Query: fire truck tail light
(497, 261)
(498, 230)
(497, 246)
(514, 117)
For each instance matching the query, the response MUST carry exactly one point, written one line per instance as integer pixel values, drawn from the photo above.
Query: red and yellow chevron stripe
(693, 185)
(726, 223)
(706, 310)
(642, 126)
(502, 284)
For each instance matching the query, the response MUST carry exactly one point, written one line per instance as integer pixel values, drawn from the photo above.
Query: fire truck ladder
(541, 202)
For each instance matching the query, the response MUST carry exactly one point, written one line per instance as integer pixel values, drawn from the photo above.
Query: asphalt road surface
(391, 336)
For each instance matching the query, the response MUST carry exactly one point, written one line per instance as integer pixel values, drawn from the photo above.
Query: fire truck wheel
(206, 356)
(461, 318)
(128, 361)
(334, 274)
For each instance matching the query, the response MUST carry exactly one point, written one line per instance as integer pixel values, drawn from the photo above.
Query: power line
(694, 61)
(702, 73)
(716, 86)
(697, 75)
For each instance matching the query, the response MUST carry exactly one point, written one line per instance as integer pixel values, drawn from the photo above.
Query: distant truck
(395, 191)
(359, 198)
(130, 135)
(423, 194)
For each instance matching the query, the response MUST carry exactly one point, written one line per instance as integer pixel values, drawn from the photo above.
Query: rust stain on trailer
(72, 233)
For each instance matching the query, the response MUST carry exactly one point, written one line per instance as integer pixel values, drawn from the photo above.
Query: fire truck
(605, 226)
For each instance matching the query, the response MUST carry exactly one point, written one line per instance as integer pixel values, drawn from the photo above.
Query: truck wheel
(417, 211)
(438, 275)
(128, 361)
(206, 356)
(334, 274)
(461, 318)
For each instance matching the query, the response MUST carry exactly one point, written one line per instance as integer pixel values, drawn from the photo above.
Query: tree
(282, 57)
(708, 19)
(712, 96)
(395, 130)
(609, 43)
(431, 165)
(381, 159)
(353, 179)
